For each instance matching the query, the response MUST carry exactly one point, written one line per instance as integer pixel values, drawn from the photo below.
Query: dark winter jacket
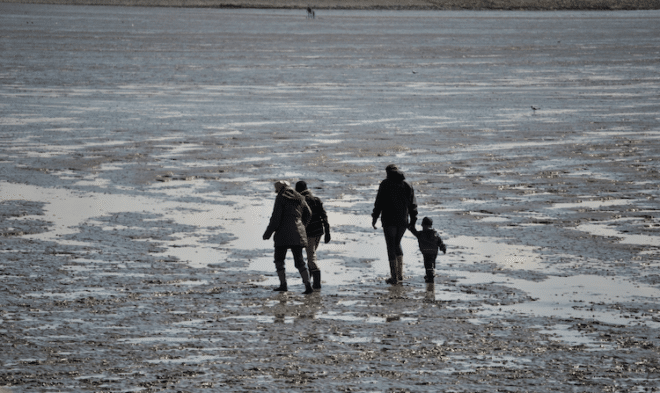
(290, 216)
(429, 241)
(395, 201)
(319, 220)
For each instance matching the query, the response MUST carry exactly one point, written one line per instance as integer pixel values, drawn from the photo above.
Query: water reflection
(429, 296)
(288, 308)
(397, 291)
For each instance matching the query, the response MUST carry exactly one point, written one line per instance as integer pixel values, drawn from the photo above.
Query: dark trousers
(429, 261)
(393, 236)
(280, 256)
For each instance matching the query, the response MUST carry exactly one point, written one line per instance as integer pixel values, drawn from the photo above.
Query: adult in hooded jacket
(397, 208)
(290, 216)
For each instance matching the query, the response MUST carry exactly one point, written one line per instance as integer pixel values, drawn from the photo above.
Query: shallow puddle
(356, 254)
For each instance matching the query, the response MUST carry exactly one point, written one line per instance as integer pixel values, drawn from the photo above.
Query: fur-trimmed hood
(290, 193)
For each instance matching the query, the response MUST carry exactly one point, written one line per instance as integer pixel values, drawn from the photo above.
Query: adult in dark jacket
(317, 227)
(290, 216)
(395, 203)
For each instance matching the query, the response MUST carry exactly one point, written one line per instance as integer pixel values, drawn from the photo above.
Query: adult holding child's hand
(395, 204)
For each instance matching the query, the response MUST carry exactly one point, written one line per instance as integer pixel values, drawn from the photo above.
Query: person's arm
(275, 219)
(324, 220)
(378, 206)
(412, 207)
(441, 245)
(306, 213)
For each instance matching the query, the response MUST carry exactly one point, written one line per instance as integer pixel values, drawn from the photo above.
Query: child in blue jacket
(429, 243)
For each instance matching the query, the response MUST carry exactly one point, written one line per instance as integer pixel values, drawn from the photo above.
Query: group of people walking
(299, 221)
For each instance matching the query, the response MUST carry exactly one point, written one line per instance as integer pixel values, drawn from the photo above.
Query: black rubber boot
(392, 280)
(305, 277)
(316, 276)
(399, 268)
(429, 276)
(283, 287)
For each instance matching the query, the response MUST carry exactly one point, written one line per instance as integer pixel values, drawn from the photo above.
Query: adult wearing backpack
(317, 227)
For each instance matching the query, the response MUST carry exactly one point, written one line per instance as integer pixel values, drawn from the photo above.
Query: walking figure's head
(391, 168)
(301, 186)
(394, 173)
(427, 222)
(281, 184)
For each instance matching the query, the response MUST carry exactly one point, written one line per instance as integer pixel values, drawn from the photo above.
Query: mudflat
(138, 151)
(376, 4)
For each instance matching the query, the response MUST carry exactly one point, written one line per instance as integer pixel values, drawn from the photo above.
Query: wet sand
(138, 147)
(536, 5)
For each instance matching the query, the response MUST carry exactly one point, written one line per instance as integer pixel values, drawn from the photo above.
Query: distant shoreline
(512, 5)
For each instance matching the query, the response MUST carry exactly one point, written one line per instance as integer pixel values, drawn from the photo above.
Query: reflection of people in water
(290, 215)
(288, 312)
(429, 296)
(318, 225)
(395, 202)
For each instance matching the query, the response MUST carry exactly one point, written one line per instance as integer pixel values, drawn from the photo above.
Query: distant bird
(535, 108)
(414, 72)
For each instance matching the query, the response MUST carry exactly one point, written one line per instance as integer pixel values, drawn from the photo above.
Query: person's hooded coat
(395, 200)
(429, 241)
(290, 216)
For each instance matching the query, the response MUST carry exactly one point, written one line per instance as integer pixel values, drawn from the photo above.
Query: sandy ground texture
(377, 4)
(138, 147)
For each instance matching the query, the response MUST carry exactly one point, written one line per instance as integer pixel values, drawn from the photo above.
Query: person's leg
(312, 245)
(280, 256)
(300, 265)
(390, 241)
(400, 231)
(390, 233)
(314, 270)
(429, 264)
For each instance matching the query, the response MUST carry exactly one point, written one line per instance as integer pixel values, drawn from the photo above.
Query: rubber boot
(393, 279)
(308, 285)
(429, 276)
(399, 268)
(316, 276)
(283, 287)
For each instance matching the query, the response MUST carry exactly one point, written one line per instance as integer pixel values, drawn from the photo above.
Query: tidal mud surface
(138, 147)
(518, 5)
